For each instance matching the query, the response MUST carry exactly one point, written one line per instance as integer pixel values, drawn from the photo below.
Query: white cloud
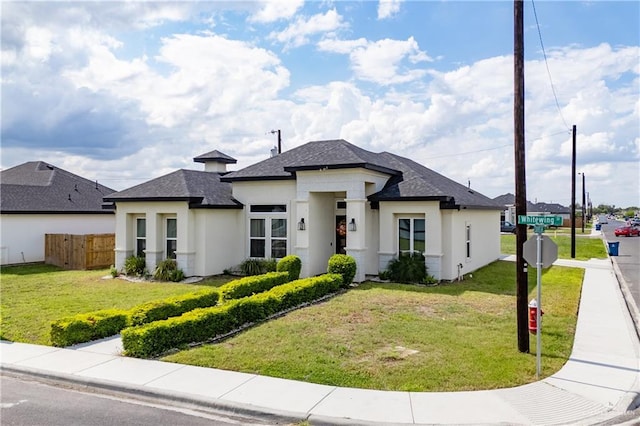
(274, 10)
(298, 32)
(380, 62)
(388, 8)
(107, 109)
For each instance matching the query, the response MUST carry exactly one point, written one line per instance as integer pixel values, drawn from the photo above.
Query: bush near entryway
(344, 265)
(201, 325)
(291, 264)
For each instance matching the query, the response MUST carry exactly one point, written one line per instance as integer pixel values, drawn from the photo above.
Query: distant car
(507, 227)
(627, 231)
(635, 222)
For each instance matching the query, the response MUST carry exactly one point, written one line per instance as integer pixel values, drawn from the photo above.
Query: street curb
(260, 414)
(628, 298)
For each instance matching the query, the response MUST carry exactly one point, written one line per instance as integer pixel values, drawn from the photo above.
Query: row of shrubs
(97, 325)
(201, 325)
(85, 327)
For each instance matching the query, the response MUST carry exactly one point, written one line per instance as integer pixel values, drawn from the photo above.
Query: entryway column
(356, 234)
(301, 222)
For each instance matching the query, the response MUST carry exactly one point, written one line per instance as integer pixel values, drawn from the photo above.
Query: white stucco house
(37, 198)
(313, 201)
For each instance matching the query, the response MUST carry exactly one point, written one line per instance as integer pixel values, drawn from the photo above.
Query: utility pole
(573, 194)
(583, 203)
(522, 285)
(279, 140)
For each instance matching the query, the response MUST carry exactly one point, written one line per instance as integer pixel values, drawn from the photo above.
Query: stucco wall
(485, 240)
(22, 235)
(219, 240)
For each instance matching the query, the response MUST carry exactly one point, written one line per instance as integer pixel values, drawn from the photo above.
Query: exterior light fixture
(352, 224)
(301, 225)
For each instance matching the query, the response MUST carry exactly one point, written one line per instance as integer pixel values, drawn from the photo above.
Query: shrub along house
(313, 201)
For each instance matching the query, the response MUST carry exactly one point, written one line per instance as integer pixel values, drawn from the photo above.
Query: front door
(341, 234)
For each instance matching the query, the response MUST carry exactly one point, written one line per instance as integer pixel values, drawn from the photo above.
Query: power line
(544, 53)
(492, 148)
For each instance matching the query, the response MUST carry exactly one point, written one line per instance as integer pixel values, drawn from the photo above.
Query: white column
(357, 240)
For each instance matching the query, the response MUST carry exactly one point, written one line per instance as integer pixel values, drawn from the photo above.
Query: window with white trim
(411, 235)
(468, 241)
(268, 231)
(141, 236)
(171, 238)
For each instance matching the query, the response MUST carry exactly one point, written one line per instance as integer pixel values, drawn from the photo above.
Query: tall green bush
(291, 264)
(344, 265)
(135, 265)
(168, 270)
(407, 268)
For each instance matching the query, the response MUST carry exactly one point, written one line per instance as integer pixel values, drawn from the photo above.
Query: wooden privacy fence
(91, 251)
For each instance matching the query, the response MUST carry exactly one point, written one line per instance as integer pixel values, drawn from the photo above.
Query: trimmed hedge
(204, 324)
(79, 328)
(174, 306)
(247, 286)
(291, 264)
(86, 327)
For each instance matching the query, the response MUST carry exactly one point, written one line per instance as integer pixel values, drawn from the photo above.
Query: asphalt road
(628, 261)
(27, 402)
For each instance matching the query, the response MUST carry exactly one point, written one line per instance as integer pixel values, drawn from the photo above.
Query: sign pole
(539, 229)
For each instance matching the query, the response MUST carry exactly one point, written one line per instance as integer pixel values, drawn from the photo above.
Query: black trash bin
(613, 248)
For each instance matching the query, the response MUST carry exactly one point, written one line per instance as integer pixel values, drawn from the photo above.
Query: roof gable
(39, 187)
(199, 188)
(330, 154)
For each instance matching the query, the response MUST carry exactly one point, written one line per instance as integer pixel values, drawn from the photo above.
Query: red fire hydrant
(533, 316)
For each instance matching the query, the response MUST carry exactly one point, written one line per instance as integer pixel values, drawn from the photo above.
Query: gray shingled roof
(310, 156)
(420, 183)
(215, 156)
(408, 180)
(509, 199)
(39, 187)
(201, 189)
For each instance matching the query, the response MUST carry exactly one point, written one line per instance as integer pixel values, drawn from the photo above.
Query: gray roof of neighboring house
(200, 189)
(39, 187)
(509, 199)
(408, 179)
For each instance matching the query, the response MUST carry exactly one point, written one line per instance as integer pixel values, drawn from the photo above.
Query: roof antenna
(279, 140)
(69, 197)
(96, 183)
(469, 183)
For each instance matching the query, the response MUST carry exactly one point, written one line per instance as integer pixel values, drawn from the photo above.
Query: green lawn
(451, 337)
(35, 295)
(457, 336)
(586, 247)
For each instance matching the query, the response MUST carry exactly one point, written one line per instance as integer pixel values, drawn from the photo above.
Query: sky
(123, 92)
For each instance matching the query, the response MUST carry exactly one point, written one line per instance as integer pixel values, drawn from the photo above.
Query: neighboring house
(313, 201)
(508, 202)
(37, 198)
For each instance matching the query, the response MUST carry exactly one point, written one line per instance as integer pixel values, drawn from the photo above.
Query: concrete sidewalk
(599, 382)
